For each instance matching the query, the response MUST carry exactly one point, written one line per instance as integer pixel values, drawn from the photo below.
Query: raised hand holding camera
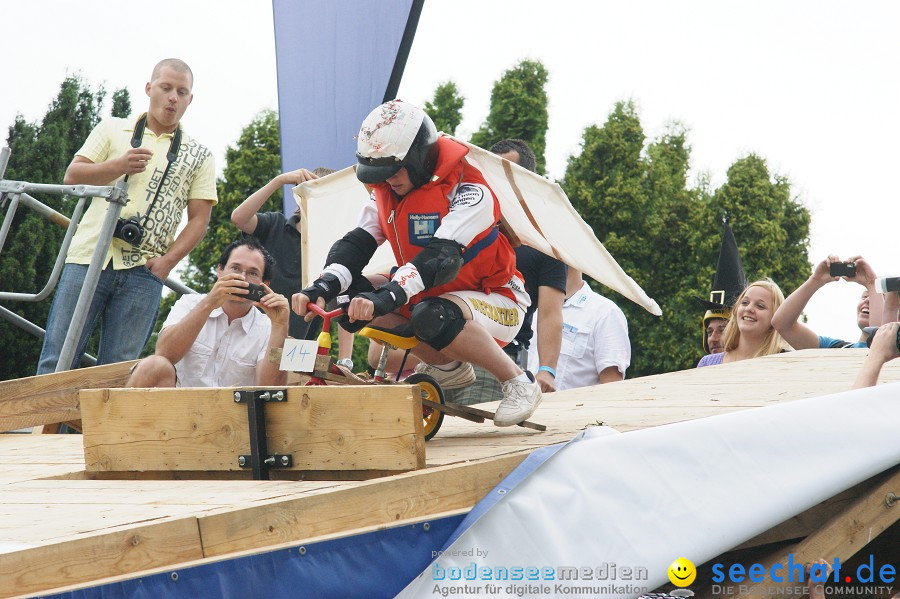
(274, 305)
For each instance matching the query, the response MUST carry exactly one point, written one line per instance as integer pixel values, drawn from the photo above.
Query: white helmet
(395, 135)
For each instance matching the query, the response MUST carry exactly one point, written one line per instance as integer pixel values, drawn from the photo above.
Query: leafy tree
(518, 109)
(638, 203)
(40, 153)
(666, 235)
(770, 226)
(446, 108)
(121, 103)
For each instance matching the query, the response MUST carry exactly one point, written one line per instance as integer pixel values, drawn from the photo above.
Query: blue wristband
(548, 369)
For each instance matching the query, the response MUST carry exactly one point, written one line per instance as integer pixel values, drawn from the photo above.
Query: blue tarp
(370, 565)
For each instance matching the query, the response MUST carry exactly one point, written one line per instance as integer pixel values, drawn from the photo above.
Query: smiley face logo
(682, 572)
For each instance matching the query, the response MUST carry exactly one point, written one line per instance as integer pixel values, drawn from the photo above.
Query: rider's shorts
(501, 316)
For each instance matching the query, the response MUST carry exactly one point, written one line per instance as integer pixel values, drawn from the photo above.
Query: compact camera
(129, 230)
(842, 269)
(870, 336)
(255, 292)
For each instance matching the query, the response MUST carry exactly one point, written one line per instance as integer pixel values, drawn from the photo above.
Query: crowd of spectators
(581, 336)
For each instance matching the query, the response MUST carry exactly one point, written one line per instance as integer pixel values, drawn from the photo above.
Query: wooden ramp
(61, 527)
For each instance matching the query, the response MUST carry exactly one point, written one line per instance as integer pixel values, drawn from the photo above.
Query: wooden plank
(52, 398)
(323, 428)
(86, 559)
(410, 495)
(841, 537)
(238, 475)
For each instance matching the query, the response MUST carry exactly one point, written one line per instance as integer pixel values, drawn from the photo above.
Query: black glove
(386, 298)
(327, 286)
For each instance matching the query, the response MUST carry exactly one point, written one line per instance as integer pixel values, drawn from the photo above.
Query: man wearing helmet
(457, 283)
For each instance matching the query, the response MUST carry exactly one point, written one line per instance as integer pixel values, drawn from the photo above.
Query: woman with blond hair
(749, 333)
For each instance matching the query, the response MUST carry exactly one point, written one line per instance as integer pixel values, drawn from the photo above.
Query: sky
(809, 85)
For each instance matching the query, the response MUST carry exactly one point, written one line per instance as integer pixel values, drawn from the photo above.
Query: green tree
(40, 153)
(638, 203)
(770, 225)
(446, 107)
(518, 109)
(666, 234)
(121, 103)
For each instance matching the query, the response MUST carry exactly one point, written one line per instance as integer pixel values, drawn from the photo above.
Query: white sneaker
(520, 400)
(461, 376)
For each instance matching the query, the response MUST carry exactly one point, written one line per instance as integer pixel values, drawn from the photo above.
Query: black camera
(129, 230)
(255, 292)
(870, 336)
(842, 269)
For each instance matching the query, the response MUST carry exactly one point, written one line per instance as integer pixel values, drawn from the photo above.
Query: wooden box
(336, 432)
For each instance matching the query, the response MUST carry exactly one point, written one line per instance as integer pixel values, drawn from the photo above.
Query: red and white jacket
(457, 205)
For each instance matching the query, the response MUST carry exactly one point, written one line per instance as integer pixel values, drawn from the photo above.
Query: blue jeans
(126, 303)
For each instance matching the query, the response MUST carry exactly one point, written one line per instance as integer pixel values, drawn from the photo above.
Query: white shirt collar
(578, 298)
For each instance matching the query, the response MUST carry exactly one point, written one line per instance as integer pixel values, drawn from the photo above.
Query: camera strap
(136, 139)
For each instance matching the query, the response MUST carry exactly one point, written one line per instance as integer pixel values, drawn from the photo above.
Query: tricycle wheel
(431, 390)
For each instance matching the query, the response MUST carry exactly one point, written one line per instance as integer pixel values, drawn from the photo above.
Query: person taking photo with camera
(787, 319)
(218, 339)
(167, 172)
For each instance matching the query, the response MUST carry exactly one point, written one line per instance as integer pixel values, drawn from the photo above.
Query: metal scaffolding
(16, 193)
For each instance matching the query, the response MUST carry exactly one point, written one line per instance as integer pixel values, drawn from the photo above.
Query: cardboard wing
(330, 208)
(536, 210)
(540, 214)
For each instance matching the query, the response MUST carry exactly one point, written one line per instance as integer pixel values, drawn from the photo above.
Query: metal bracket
(259, 459)
(272, 461)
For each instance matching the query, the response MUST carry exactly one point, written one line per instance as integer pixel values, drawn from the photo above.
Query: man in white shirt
(219, 339)
(595, 346)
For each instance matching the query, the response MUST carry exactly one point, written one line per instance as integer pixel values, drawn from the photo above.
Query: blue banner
(337, 60)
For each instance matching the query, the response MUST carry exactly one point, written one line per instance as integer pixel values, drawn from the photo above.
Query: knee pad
(437, 321)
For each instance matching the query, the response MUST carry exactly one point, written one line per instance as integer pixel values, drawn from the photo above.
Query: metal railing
(17, 193)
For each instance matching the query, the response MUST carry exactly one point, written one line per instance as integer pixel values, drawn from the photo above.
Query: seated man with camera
(786, 318)
(219, 339)
(167, 173)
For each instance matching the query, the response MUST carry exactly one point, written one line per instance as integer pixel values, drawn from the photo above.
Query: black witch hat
(728, 282)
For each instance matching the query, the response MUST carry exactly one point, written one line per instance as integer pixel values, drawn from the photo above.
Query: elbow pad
(353, 250)
(439, 262)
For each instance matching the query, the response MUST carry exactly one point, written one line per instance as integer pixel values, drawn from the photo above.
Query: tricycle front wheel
(431, 390)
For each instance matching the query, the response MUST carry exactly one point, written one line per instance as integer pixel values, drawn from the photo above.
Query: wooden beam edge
(36, 570)
(842, 536)
(372, 503)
